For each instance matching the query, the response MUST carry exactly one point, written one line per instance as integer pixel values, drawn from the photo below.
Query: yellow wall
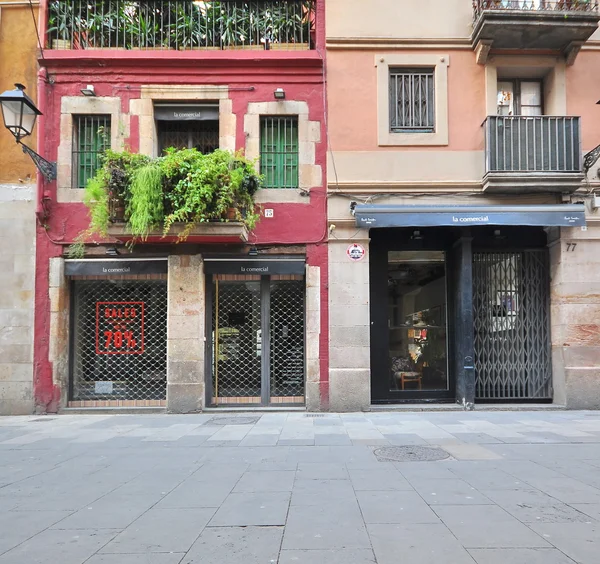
(18, 63)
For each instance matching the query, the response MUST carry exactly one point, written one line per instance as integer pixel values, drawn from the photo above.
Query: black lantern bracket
(19, 114)
(46, 168)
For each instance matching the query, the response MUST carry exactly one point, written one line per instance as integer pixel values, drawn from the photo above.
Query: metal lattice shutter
(512, 335)
(287, 339)
(236, 339)
(119, 340)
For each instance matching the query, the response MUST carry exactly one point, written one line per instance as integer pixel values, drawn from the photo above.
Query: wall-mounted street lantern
(19, 114)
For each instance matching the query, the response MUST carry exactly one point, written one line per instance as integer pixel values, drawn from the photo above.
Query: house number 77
(571, 247)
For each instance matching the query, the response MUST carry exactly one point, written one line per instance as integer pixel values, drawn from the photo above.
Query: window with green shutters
(279, 151)
(91, 137)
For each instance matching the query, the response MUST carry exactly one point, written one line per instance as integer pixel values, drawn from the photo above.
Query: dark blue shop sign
(257, 267)
(115, 267)
(566, 215)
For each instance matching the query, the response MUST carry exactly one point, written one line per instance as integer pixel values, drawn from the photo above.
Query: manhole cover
(409, 453)
(232, 420)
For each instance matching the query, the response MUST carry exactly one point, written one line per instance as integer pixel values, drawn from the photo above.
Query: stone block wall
(349, 324)
(17, 280)
(575, 317)
(185, 334)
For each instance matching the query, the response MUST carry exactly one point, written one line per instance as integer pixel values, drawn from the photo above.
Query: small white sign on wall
(355, 252)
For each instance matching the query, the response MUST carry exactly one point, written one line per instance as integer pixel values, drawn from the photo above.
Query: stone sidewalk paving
(296, 488)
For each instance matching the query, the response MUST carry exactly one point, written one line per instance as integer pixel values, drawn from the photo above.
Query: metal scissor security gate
(119, 340)
(512, 335)
(257, 340)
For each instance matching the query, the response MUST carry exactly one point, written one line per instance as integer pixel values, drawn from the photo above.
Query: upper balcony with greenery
(287, 25)
(558, 25)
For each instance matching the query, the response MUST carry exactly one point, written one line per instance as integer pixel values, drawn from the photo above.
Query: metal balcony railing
(181, 24)
(535, 5)
(533, 144)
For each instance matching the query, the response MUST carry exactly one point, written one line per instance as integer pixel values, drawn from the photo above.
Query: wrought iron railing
(533, 144)
(181, 24)
(480, 6)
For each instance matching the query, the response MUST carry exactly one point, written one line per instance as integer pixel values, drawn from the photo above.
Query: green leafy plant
(185, 186)
(146, 210)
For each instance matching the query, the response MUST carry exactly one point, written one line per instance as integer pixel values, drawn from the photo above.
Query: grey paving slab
(332, 526)
(58, 546)
(448, 492)
(236, 545)
(578, 541)
(18, 526)
(323, 439)
(317, 492)
(194, 493)
(337, 556)
(532, 506)
(378, 479)
(321, 471)
(161, 530)
(568, 490)
(592, 510)
(414, 543)
(147, 558)
(278, 481)
(394, 507)
(109, 512)
(247, 509)
(487, 526)
(519, 556)
(426, 470)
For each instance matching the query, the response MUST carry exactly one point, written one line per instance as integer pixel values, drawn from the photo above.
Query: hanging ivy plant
(185, 186)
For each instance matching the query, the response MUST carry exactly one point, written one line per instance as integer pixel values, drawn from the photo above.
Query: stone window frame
(384, 62)
(143, 107)
(70, 107)
(310, 174)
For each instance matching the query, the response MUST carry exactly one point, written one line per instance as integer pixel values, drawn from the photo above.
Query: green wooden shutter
(279, 151)
(92, 134)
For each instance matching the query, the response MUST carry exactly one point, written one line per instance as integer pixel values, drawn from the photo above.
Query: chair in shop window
(406, 372)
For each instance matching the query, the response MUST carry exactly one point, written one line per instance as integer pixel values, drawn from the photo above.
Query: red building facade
(230, 316)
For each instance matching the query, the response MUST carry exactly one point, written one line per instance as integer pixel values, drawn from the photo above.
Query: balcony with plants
(533, 154)
(557, 25)
(183, 195)
(181, 25)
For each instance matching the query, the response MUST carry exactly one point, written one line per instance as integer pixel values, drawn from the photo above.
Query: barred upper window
(91, 137)
(279, 151)
(412, 100)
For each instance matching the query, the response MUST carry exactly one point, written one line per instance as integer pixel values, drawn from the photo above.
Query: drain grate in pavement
(232, 420)
(314, 415)
(409, 454)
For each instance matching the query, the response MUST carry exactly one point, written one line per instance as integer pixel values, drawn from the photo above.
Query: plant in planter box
(146, 204)
(203, 188)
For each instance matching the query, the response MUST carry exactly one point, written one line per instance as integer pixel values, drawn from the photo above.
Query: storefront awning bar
(567, 215)
(112, 267)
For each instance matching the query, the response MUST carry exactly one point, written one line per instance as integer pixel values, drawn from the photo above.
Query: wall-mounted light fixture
(112, 252)
(279, 94)
(253, 252)
(19, 114)
(89, 90)
(416, 236)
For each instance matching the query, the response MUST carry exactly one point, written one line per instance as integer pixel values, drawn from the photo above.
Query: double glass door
(257, 340)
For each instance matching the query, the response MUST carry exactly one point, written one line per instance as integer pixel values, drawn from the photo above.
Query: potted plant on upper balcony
(61, 21)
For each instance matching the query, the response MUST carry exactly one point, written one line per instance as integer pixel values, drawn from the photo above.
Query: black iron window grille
(412, 100)
(279, 151)
(200, 135)
(91, 137)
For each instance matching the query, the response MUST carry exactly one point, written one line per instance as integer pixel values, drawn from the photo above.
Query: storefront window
(417, 323)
